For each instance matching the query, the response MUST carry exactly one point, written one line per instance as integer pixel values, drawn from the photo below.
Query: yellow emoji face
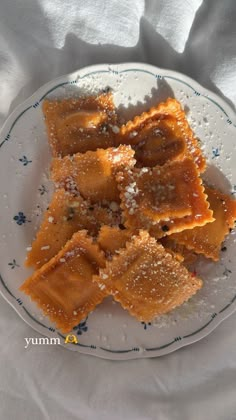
(71, 338)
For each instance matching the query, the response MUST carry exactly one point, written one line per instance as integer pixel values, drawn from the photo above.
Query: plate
(109, 331)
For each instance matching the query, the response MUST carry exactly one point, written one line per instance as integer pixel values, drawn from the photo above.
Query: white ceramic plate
(109, 331)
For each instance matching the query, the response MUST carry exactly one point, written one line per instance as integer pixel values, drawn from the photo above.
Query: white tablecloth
(40, 40)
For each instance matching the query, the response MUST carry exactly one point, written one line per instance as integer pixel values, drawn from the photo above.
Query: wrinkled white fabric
(40, 40)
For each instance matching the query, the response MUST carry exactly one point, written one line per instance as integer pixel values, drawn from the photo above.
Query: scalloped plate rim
(7, 125)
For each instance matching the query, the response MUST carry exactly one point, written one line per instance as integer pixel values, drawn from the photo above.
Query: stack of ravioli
(129, 213)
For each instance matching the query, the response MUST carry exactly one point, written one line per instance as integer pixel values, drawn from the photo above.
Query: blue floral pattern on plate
(42, 189)
(215, 152)
(25, 160)
(13, 264)
(81, 327)
(20, 218)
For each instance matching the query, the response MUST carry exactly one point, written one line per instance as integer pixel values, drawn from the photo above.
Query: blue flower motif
(81, 327)
(215, 152)
(13, 264)
(20, 218)
(25, 161)
(146, 324)
(42, 190)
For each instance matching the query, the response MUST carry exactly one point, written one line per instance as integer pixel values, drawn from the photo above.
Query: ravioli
(76, 125)
(163, 199)
(147, 280)
(92, 174)
(207, 240)
(63, 287)
(66, 215)
(111, 238)
(129, 214)
(162, 134)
